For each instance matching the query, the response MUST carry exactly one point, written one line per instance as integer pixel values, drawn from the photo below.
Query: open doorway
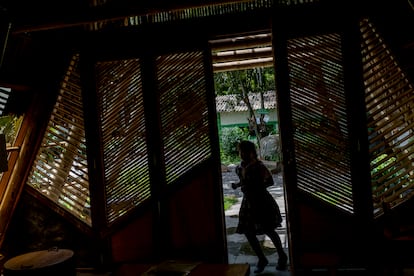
(246, 109)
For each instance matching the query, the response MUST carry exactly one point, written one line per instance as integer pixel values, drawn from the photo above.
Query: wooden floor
(270, 271)
(180, 268)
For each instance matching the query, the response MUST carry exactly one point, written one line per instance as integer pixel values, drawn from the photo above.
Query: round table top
(38, 259)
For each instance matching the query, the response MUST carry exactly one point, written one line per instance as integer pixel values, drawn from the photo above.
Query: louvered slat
(4, 96)
(319, 117)
(121, 112)
(389, 100)
(201, 10)
(184, 113)
(60, 170)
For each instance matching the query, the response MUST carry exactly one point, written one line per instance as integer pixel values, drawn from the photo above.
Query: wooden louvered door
(184, 129)
(389, 99)
(319, 127)
(183, 111)
(159, 152)
(319, 118)
(124, 147)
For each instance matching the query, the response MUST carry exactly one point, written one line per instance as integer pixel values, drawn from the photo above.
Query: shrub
(230, 138)
(229, 201)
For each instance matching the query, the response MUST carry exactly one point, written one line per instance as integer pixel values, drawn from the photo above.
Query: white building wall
(240, 118)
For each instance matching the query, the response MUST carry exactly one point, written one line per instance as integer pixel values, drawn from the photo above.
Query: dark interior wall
(196, 228)
(34, 66)
(35, 59)
(135, 242)
(326, 232)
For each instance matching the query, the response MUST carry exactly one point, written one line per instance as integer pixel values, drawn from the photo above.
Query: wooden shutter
(389, 98)
(319, 119)
(183, 112)
(122, 123)
(60, 171)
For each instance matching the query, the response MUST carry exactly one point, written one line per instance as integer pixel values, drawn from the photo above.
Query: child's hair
(247, 146)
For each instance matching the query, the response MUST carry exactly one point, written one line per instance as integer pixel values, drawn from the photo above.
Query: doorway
(246, 109)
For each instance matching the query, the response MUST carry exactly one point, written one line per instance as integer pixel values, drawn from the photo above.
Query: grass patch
(229, 201)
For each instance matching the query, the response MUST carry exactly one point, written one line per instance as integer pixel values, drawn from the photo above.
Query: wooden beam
(106, 13)
(13, 86)
(242, 54)
(243, 65)
(241, 42)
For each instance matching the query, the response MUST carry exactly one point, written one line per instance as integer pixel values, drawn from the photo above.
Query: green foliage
(253, 80)
(134, 175)
(382, 166)
(9, 126)
(230, 138)
(227, 159)
(378, 165)
(229, 201)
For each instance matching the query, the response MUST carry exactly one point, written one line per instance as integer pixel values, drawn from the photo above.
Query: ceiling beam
(243, 65)
(34, 21)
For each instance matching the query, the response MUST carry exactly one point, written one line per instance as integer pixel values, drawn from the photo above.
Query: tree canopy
(243, 82)
(256, 80)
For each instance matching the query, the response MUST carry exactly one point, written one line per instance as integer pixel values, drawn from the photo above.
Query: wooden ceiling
(28, 16)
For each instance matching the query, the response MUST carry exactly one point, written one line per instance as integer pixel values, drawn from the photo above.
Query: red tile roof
(233, 102)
